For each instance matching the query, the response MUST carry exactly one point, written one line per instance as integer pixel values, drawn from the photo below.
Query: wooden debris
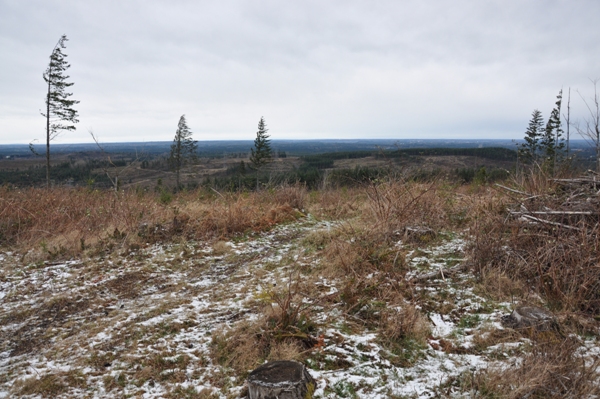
(570, 207)
(524, 317)
(439, 273)
(550, 223)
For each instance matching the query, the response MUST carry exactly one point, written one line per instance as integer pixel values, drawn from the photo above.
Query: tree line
(544, 142)
(61, 115)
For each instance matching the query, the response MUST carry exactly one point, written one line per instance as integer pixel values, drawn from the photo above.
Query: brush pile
(547, 237)
(572, 204)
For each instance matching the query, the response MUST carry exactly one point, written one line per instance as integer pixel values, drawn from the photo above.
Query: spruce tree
(60, 114)
(552, 142)
(183, 149)
(529, 151)
(261, 154)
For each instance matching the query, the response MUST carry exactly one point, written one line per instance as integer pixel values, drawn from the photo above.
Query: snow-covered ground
(98, 327)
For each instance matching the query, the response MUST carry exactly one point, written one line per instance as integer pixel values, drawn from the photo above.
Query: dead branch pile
(548, 239)
(573, 204)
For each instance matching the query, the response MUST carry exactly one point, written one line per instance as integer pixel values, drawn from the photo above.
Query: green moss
(310, 390)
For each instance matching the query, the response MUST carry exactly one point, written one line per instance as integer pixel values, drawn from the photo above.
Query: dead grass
(499, 285)
(127, 285)
(241, 348)
(355, 251)
(550, 370)
(65, 222)
(405, 323)
(248, 344)
(336, 204)
(50, 385)
(395, 205)
(488, 336)
(55, 312)
(295, 196)
(359, 256)
(221, 248)
(161, 367)
(191, 393)
(283, 331)
(557, 263)
(289, 349)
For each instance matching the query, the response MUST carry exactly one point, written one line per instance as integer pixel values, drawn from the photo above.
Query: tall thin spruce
(568, 119)
(60, 114)
(183, 149)
(261, 154)
(552, 141)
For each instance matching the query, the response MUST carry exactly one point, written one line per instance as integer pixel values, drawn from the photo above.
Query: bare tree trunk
(48, 136)
(597, 127)
(113, 180)
(591, 132)
(568, 123)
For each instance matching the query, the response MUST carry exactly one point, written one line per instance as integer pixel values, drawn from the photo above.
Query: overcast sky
(313, 69)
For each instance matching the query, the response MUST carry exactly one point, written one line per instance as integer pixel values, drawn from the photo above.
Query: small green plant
(344, 389)
(165, 197)
(469, 321)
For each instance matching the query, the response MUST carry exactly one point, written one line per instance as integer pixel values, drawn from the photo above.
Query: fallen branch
(578, 181)
(588, 213)
(549, 222)
(440, 272)
(512, 190)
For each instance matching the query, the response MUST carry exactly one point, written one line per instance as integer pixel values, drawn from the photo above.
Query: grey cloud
(312, 68)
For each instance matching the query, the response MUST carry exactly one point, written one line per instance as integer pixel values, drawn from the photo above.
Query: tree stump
(281, 379)
(524, 317)
(419, 234)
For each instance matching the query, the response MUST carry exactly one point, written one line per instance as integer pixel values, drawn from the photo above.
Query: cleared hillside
(391, 289)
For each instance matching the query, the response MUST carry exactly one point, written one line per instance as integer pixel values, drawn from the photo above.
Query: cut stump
(419, 234)
(524, 317)
(283, 379)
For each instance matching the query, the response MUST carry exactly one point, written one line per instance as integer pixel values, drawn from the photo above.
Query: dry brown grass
(550, 370)
(405, 323)
(336, 204)
(162, 367)
(37, 324)
(358, 255)
(221, 248)
(283, 331)
(248, 344)
(394, 205)
(295, 196)
(241, 348)
(559, 264)
(191, 393)
(64, 222)
(491, 336)
(50, 385)
(498, 284)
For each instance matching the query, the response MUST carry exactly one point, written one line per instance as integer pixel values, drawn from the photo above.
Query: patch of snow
(442, 328)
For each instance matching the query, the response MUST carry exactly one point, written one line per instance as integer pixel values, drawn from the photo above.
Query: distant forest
(291, 147)
(313, 161)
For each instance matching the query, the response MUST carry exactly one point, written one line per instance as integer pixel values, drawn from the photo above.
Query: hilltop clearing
(390, 290)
